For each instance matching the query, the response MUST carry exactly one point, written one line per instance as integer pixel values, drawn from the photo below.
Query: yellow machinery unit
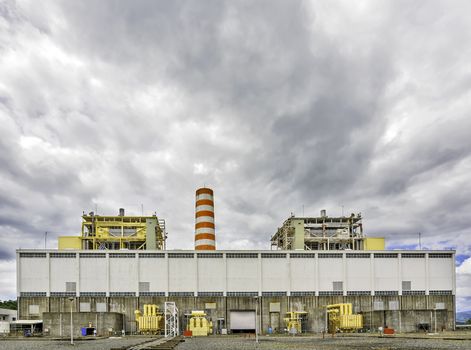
(293, 320)
(151, 321)
(117, 232)
(199, 325)
(341, 318)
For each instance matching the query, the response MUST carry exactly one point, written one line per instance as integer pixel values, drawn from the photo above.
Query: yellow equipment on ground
(342, 319)
(293, 320)
(199, 325)
(151, 321)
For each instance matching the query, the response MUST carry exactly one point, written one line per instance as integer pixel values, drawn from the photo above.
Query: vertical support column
(290, 274)
(48, 291)
(224, 257)
(260, 275)
(138, 274)
(316, 268)
(77, 273)
(108, 275)
(399, 274)
(195, 259)
(372, 274)
(427, 275)
(168, 275)
(344, 273)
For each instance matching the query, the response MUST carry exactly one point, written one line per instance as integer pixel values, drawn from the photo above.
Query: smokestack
(121, 211)
(205, 238)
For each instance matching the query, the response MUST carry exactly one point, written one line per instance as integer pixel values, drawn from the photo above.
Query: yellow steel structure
(117, 232)
(70, 242)
(373, 243)
(151, 321)
(199, 325)
(342, 319)
(293, 320)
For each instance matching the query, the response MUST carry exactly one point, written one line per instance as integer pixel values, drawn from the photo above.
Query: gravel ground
(100, 344)
(315, 343)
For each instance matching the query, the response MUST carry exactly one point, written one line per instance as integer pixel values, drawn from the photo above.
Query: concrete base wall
(413, 309)
(57, 324)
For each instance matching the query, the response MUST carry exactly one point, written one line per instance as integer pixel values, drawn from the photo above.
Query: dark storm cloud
(280, 106)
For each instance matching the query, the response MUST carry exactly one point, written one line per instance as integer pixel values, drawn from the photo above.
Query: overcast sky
(275, 105)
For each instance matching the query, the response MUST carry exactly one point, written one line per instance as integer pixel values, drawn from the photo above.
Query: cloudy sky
(276, 105)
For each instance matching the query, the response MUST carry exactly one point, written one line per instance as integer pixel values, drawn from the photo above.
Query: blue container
(84, 331)
(270, 330)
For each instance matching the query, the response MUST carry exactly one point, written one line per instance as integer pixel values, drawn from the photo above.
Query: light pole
(71, 299)
(256, 322)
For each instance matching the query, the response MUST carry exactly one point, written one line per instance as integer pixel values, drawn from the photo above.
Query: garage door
(242, 320)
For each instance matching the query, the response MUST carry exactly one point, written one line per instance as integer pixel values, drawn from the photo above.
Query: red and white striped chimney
(205, 238)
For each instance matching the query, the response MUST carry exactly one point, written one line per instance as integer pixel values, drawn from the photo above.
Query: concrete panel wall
(386, 274)
(303, 275)
(330, 270)
(439, 274)
(182, 275)
(414, 270)
(211, 275)
(62, 271)
(154, 271)
(34, 274)
(93, 275)
(242, 275)
(274, 275)
(358, 274)
(123, 275)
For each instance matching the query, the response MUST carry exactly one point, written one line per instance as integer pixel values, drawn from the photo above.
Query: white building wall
(123, 275)
(93, 275)
(358, 274)
(257, 273)
(330, 270)
(303, 274)
(413, 269)
(34, 274)
(242, 275)
(275, 275)
(63, 270)
(386, 274)
(154, 271)
(182, 275)
(211, 275)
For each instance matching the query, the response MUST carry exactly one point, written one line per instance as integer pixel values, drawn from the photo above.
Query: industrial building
(314, 262)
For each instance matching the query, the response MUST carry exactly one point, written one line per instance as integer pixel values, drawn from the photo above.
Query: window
(93, 255)
(181, 255)
(273, 294)
(303, 294)
(386, 292)
(93, 294)
(358, 256)
(144, 286)
(70, 286)
(302, 255)
(413, 292)
(152, 255)
(406, 285)
(152, 294)
(385, 255)
(122, 255)
(378, 305)
(62, 255)
(242, 255)
(181, 294)
(440, 292)
(209, 255)
(100, 307)
(358, 292)
(393, 305)
(32, 255)
(337, 286)
(210, 294)
(242, 294)
(122, 294)
(413, 255)
(330, 255)
(33, 309)
(440, 255)
(84, 307)
(330, 293)
(273, 255)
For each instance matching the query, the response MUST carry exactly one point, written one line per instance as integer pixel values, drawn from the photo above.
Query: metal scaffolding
(171, 319)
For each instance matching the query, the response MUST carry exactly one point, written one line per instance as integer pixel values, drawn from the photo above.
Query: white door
(242, 320)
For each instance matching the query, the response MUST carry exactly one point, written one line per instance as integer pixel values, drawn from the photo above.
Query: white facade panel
(211, 275)
(439, 274)
(123, 275)
(330, 270)
(242, 275)
(154, 271)
(303, 275)
(182, 274)
(359, 274)
(34, 274)
(63, 270)
(93, 275)
(413, 269)
(275, 275)
(386, 274)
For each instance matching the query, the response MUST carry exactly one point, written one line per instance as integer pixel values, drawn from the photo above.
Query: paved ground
(100, 344)
(242, 343)
(315, 343)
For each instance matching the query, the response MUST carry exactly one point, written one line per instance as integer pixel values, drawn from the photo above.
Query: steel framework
(171, 319)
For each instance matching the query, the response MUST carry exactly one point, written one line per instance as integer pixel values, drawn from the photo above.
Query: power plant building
(315, 262)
